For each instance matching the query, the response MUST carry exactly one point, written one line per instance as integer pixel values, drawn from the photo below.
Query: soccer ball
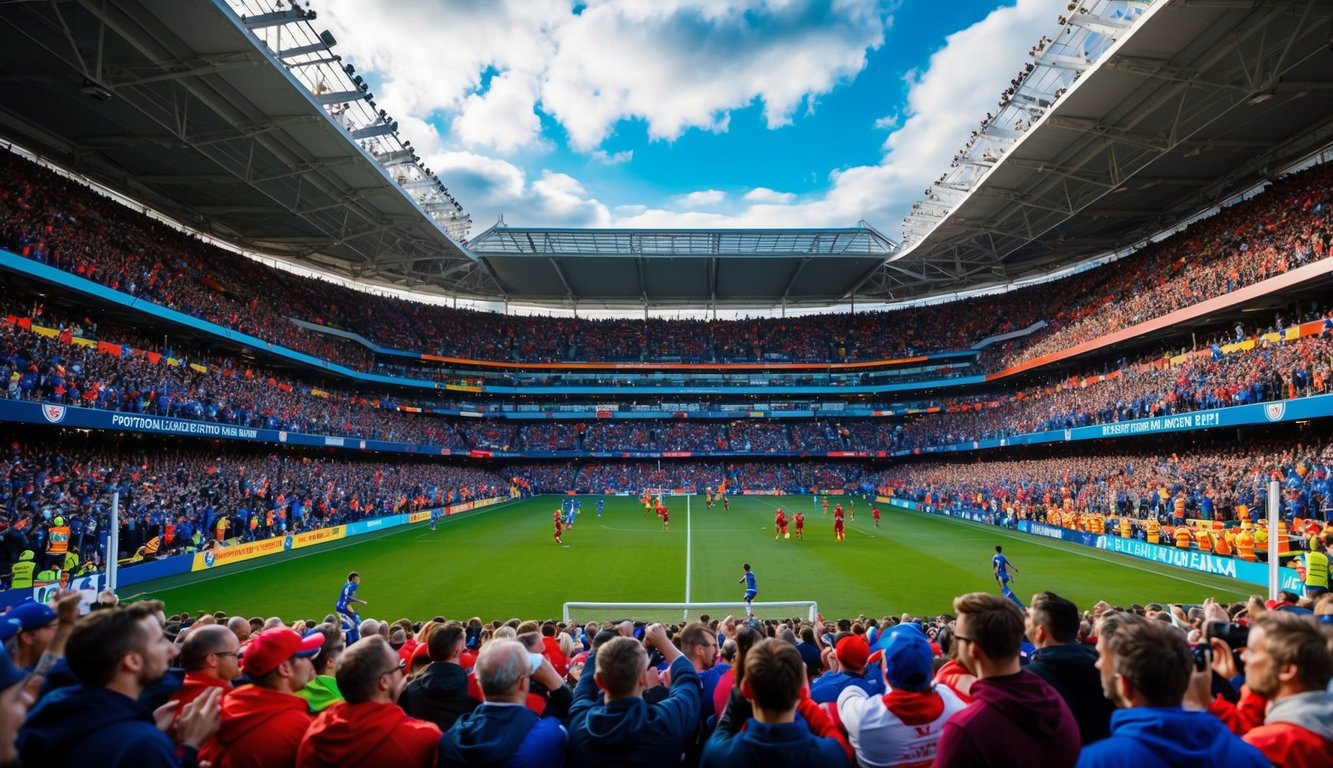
(787, 535)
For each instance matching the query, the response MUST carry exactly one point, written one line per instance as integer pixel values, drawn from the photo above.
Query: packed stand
(182, 496)
(58, 222)
(987, 682)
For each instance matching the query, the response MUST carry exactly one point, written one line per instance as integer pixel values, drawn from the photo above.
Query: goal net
(584, 612)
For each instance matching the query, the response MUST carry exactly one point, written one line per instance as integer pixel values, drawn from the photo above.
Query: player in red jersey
(799, 519)
(665, 515)
(839, 533)
(874, 512)
(779, 523)
(558, 527)
(837, 510)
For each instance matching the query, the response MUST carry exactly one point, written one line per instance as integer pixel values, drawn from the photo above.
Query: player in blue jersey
(751, 589)
(347, 599)
(1001, 566)
(601, 505)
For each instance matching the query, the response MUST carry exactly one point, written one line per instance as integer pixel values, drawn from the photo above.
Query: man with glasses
(1016, 718)
(368, 728)
(262, 723)
(211, 659)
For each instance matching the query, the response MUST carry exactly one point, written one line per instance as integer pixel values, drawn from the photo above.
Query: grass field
(502, 562)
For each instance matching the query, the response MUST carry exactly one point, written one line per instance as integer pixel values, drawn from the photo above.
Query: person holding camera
(1288, 663)
(1146, 667)
(622, 729)
(503, 731)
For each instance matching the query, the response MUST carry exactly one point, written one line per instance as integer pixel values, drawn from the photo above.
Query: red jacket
(551, 648)
(370, 734)
(260, 728)
(1298, 732)
(196, 683)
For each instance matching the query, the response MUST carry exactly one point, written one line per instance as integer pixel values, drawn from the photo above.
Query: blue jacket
(772, 745)
(74, 725)
(509, 735)
(1161, 737)
(631, 731)
(828, 686)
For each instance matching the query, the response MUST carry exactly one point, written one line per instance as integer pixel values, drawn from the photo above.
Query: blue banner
(375, 524)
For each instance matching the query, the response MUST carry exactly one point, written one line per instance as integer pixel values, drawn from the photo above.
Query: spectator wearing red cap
(368, 728)
(903, 727)
(1288, 662)
(847, 666)
(440, 694)
(117, 654)
(1015, 715)
(262, 723)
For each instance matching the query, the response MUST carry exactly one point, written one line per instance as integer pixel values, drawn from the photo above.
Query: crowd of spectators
(50, 219)
(984, 683)
(1213, 481)
(182, 496)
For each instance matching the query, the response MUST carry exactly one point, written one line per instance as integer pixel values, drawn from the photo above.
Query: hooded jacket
(810, 740)
(508, 735)
(1011, 719)
(260, 728)
(1071, 670)
(69, 726)
(321, 693)
(1162, 737)
(1298, 732)
(631, 731)
(440, 695)
(370, 734)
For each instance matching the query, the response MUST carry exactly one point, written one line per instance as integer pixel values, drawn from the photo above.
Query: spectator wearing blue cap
(902, 727)
(117, 654)
(15, 698)
(37, 628)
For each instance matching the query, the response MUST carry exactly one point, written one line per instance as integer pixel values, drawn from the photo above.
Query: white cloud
(503, 117)
(674, 65)
(680, 64)
(491, 187)
(602, 158)
(764, 195)
(702, 198)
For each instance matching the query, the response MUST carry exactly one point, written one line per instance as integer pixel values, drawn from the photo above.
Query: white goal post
(589, 611)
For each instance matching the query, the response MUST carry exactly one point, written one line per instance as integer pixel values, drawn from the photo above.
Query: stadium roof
(681, 267)
(183, 105)
(1201, 101)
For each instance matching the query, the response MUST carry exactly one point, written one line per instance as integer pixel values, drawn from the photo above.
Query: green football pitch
(502, 562)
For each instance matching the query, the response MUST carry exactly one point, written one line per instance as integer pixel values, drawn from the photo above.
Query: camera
(1202, 656)
(1234, 635)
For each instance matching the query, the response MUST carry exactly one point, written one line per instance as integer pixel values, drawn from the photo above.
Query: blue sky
(679, 113)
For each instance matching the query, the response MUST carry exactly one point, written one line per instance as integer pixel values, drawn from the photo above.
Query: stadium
(254, 346)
